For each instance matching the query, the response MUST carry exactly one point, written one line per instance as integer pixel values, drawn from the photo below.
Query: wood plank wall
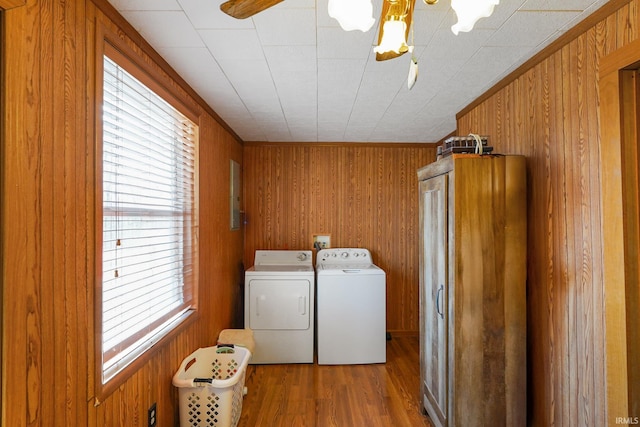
(47, 226)
(362, 195)
(549, 113)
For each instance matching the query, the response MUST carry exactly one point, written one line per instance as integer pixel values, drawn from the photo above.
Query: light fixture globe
(469, 11)
(352, 14)
(393, 39)
(394, 28)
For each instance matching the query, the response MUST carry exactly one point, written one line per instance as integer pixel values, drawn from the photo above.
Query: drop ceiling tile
(164, 28)
(300, 115)
(377, 93)
(426, 22)
(293, 74)
(269, 116)
(331, 131)
(252, 134)
(539, 26)
(468, 83)
(123, 5)
(299, 109)
(295, 4)
(538, 5)
(356, 133)
(337, 113)
(339, 75)
(292, 57)
(434, 76)
(199, 68)
(446, 46)
(206, 14)
(306, 132)
(252, 81)
(279, 135)
(286, 27)
(322, 15)
(196, 66)
(501, 13)
(334, 42)
(233, 43)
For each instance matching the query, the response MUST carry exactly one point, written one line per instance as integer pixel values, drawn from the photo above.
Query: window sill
(103, 391)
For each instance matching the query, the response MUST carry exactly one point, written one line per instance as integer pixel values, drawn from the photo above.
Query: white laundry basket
(211, 386)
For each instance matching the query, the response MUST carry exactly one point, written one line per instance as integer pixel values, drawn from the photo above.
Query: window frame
(111, 45)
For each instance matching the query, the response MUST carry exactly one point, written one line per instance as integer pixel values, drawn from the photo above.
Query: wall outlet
(324, 240)
(152, 416)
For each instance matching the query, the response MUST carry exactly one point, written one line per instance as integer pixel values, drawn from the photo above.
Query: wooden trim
(10, 4)
(628, 55)
(2, 203)
(100, 392)
(603, 12)
(118, 51)
(630, 93)
(613, 233)
(107, 42)
(341, 144)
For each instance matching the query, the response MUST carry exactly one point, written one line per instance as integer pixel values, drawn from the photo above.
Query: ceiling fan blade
(242, 9)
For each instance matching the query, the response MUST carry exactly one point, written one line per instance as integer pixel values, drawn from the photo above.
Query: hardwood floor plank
(311, 395)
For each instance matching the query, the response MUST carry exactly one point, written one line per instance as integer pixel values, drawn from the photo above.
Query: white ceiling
(291, 73)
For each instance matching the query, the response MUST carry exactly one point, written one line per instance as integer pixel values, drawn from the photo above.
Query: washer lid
(346, 269)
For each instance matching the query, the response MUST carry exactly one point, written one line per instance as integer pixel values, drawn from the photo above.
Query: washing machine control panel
(344, 256)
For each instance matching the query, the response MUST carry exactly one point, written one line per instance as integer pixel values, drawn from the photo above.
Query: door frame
(619, 133)
(4, 5)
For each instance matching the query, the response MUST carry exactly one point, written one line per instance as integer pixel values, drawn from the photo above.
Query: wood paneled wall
(550, 113)
(362, 195)
(47, 226)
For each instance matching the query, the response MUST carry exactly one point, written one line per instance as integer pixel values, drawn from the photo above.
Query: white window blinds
(149, 249)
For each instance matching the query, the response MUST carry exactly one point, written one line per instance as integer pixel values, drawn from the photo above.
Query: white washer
(279, 306)
(351, 308)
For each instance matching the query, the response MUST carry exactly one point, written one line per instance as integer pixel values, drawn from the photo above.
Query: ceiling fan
(396, 15)
(242, 9)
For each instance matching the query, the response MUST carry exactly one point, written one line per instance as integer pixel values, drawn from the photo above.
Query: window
(147, 201)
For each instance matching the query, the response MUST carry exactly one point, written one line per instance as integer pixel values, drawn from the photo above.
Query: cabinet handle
(440, 291)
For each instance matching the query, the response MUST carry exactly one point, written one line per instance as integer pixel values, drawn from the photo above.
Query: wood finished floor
(310, 395)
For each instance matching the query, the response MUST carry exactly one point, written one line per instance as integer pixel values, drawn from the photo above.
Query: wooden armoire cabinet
(473, 290)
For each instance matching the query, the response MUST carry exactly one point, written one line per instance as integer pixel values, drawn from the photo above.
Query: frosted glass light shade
(469, 11)
(393, 38)
(352, 14)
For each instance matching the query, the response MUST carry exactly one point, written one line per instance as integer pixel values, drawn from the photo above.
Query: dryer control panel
(350, 256)
(282, 257)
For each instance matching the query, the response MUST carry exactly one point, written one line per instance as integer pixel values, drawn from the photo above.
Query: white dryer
(279, 306)
(351, 308)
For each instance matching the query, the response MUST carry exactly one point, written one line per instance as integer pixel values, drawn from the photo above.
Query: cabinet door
(433, 297)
